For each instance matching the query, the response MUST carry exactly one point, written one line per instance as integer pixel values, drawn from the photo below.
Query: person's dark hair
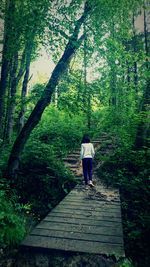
(85, 139)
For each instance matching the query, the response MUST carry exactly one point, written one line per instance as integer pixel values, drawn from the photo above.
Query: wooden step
(70, 160)
(74, 155)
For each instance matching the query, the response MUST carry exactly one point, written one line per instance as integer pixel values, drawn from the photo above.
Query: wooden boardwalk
(86, 221)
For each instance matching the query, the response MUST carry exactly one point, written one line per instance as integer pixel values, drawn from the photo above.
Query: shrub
(43, 179)
(129, 171)
(12, 225)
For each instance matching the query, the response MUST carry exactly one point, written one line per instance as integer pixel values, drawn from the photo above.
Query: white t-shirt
(87, 151)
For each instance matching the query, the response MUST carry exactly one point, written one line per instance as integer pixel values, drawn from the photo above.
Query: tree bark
(3, 84)
(72, 45)
(15, 78)
(11, 107)
(9, 7)
(24, 87)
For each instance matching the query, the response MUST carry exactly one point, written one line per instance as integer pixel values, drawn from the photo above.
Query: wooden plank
(74, 155)
(88, 209)
(92, 192)
(79, 214)
(70, 158)
(83, 208)
(87, 200)
(78, 221)
(88, 212)
(98, 199)
(70, 166)
(70, 245)
(91, 202)
(101, 199)
(78, 236)
(108, 228)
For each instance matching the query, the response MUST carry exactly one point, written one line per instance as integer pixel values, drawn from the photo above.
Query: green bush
(60, 130)
(129, 171)
(12, 225)
(43, 180)
(126, 263)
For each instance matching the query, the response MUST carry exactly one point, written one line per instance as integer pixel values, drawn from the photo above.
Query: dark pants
(87, 169)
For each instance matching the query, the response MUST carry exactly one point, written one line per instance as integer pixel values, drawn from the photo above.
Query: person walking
(86, 155)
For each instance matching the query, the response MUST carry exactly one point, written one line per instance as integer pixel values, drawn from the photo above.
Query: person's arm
(81, 156)
(92, 150)
(81, 152)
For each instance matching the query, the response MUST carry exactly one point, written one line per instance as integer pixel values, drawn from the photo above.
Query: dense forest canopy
(99, 83)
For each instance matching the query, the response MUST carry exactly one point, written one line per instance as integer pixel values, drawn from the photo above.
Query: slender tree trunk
(12, 102)
(134, 43)
(113, 87)
(128, 74)
(127, 69)
(24, 87)
(113, 80)
(89, 109)
(71, 47)
(85, 73)
(14, 79)
(5, 62)
(3, 84)
(7, 104)
(86, 96)
(56, 97)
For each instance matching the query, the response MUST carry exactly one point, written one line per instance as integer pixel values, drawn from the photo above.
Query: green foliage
(35, 94)
(62, 131)
(12, 225)
(43, 179)
(129, 170)
(126, 263)
(42, 182)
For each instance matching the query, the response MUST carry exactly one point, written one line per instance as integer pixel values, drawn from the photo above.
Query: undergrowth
(128, 170)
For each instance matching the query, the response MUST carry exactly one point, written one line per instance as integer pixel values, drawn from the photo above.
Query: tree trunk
(86, 95)
(72, 45)
(14, 79)
(135, 69)
(113, 80)
(11, 107)
(113, 97)
(3, 85)
(5, 62)
(128, 73)
(24, 87)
